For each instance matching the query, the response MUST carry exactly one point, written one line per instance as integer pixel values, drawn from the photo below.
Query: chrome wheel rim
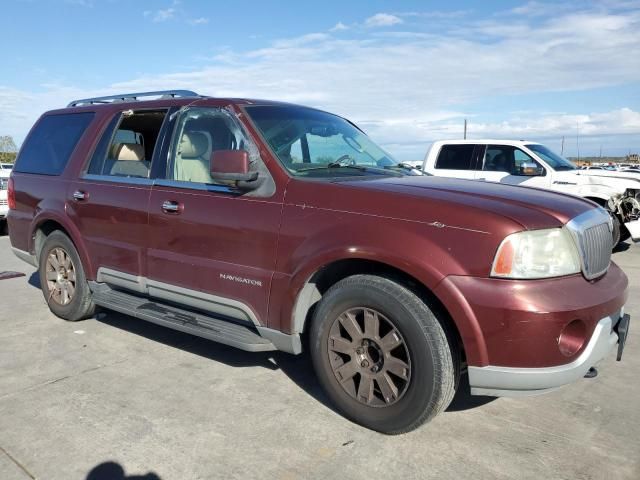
(369, 357)
(60, 276)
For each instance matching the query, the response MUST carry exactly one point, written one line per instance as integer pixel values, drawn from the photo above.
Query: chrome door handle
(80, 196)
(169, 206)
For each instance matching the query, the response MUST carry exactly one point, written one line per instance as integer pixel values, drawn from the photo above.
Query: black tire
(617, 229)
(4, 227)
(79, 304)
(432, 359)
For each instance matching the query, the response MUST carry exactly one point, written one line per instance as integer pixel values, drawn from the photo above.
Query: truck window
(506, 158)
(455, 157)
(51, 143)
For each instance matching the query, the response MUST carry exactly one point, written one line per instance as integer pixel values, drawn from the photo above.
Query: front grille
(3, 201)
(593, 235)
(597, 249)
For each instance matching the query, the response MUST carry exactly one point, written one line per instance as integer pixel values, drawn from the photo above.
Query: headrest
(193, 144)
(128, 151)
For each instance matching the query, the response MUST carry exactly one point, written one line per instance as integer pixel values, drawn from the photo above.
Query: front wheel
(62, 279)
(381, 355)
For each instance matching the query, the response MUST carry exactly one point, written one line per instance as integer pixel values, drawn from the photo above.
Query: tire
(394, 390)
(61, 271)
(617, 235)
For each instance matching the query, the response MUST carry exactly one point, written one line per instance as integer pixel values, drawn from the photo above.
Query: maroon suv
(252, 223)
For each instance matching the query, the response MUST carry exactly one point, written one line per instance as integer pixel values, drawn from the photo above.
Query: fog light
(572, 338)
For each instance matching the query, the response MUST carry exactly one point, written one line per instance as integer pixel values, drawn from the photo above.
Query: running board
(211, 328)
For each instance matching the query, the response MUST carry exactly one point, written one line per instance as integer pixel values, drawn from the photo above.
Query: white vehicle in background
(6, 166)
(531, 164)
(4, 203)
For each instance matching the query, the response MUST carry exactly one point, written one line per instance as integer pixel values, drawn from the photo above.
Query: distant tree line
(8, 149)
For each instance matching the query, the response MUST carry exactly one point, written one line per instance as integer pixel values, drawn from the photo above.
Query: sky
(407, 72)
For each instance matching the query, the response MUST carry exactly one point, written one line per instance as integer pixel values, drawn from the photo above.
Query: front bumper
(509, 381)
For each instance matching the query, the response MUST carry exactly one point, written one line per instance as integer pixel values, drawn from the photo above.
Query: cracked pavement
(76, 395)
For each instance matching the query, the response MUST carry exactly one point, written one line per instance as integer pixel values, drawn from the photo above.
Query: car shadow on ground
(114, 471)
(298, 368)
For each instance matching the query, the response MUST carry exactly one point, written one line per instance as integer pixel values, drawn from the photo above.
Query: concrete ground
(162, 404)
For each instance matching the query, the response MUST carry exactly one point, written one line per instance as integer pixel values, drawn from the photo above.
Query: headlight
(536, 254)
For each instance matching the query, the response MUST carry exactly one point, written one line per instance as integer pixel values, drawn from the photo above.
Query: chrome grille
(593, 234)
(4, 201)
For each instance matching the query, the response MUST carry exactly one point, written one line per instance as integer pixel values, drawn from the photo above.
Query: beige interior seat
(129, 160)
(192, 159)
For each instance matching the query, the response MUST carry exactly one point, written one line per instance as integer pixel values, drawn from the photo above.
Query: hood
(465, 204)
(617, 181)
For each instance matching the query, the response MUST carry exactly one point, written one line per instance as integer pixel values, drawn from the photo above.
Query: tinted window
(456, 157)
(51, 143)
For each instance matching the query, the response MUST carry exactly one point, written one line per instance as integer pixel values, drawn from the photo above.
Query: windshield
(309, 142)
(554, 160)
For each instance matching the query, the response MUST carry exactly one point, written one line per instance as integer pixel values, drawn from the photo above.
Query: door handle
(170, 206)
(80, 196)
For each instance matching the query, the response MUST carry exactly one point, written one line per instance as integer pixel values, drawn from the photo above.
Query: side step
(220, 331)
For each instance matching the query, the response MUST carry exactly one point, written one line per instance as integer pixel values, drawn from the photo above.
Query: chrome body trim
(514, 381)
(116, 179)
(594, 244)
(204, 301)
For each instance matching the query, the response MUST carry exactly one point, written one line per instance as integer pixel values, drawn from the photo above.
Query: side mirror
(231, 166)
(530, 169)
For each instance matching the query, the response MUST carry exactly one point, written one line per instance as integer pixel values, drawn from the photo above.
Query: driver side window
(199, 133)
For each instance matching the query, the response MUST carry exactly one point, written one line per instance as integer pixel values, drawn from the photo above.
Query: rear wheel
(62, 279)
(381, 355)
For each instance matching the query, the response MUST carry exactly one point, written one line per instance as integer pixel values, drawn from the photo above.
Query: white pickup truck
(534, 165)
(4, 205)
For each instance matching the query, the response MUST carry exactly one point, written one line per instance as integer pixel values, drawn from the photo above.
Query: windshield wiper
(332, 166)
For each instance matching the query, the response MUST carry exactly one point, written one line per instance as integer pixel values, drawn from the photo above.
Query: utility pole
(578, 139)
(465, 128)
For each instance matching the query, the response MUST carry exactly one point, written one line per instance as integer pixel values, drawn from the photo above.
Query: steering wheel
(344, 160)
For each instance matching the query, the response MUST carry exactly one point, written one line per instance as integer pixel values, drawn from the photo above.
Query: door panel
(207, 237)
(218, 243)
(112, 219)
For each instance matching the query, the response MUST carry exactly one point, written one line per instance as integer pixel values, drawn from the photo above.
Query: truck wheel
(62, 278)
(381, 354)
(620, 232)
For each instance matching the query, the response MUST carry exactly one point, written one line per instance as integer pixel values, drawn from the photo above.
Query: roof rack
(133, 97)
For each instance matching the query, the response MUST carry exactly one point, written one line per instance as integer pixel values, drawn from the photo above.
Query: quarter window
(51, 143)
(455, 157)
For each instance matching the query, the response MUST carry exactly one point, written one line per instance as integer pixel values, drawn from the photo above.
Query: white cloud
(199, 21)
(339, 27)
(382, 20)
(412, 87)
(164, 15)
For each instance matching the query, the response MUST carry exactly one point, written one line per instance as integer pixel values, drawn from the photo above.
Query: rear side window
(455, 157)
(50, 144)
